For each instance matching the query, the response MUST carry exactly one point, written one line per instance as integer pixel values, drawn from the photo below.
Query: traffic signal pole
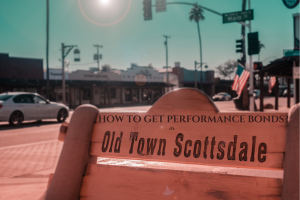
(251, 107)
(148, 16)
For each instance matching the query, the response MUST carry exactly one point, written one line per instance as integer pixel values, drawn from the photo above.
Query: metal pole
(196, 74)
(167, 66)
(98, 57)
(294, 83)
(289, 92)
(251, 72)
(63, 73)
(47, 50)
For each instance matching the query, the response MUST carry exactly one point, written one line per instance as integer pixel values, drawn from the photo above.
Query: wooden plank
(271, 134)
(185, 126)
(117, 182)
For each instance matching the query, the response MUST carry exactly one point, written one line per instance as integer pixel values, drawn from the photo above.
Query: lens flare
(104, 2)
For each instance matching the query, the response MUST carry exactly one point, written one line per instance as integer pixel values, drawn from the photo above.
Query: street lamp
(63, 56)
(199, 63)
(76, 55)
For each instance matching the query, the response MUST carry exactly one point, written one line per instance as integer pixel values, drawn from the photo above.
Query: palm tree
(196, 14)
(261, 45)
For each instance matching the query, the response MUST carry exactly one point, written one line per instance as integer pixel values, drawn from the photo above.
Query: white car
(222, 96)
(16, 107)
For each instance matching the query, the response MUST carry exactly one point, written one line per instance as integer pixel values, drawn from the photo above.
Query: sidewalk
(25, 169)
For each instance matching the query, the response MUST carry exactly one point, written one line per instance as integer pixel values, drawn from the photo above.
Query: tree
(196, 14)
(106, 68)
(261, 45)
(227, 69)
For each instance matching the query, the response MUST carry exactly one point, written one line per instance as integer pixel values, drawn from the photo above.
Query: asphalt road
(47, 130)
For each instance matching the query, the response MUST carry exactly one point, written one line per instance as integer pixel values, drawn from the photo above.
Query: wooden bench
(181, 148)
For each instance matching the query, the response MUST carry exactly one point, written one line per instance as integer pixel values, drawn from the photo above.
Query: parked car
(222, 96)
(15, 107)
(285, 93)
(256, 94)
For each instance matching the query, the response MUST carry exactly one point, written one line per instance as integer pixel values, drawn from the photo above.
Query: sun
(106, 5)
(104, 2)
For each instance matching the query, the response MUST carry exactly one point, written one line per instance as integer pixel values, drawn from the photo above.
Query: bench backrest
(173, 151)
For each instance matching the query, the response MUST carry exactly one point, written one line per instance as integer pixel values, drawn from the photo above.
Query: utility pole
(167, 66)
(63, 55)
(98, 56)
(47, 50)
(63, 73)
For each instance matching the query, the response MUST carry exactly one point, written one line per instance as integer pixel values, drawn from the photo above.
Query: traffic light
(253, 43)
(147, 10)
(257, 65)
(239, 46)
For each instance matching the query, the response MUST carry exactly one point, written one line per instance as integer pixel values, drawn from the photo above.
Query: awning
(282, 67)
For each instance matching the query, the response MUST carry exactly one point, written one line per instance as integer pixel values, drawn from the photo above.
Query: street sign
(289, 53)
(160, 6)
(238, 16)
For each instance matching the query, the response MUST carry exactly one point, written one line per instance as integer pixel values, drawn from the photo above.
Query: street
(47, 130)
(29, 153)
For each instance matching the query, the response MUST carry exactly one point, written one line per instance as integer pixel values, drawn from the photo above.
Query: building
(137, 85)
(20, 74)
(186, 78)
(56, 74)
(109, 87)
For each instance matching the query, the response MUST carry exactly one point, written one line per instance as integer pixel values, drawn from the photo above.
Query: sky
(119, 26)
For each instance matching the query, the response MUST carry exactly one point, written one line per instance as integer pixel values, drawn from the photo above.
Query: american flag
(272, 82)
(240, 79)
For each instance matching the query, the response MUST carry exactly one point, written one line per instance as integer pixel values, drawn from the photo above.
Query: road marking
(28, 144)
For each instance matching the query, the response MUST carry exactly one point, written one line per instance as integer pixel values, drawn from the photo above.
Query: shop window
(128, 94)
(135, 95)
(86, 94)
(113, 93)
(146, 94)
(77, 95)
(157, 93)
(59, 96)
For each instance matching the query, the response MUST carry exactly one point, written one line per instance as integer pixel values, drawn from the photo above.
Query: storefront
(134, 86)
